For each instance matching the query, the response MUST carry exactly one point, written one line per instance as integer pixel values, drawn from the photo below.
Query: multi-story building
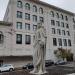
(25, 14)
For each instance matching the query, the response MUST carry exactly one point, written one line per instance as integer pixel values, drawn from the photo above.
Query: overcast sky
(65, 4)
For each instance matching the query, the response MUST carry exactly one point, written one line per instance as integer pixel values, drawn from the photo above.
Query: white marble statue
(39, 50)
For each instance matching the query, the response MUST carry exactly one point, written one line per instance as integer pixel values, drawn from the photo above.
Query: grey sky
(65, 4)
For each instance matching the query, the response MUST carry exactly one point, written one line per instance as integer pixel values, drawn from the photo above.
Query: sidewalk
(71, 74)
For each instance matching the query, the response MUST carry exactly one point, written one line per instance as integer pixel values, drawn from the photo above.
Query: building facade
(25, 14)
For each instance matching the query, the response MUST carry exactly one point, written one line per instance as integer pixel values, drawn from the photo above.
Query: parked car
(49, 63)
(60, 62)
(31, 66)
(6, 67)
(28, 66)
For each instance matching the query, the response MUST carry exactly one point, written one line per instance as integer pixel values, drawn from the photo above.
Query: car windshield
(5, 65)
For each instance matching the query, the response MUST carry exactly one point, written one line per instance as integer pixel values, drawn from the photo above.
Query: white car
(6, 67)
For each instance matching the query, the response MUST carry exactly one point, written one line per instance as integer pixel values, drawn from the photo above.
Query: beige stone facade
(25, 14)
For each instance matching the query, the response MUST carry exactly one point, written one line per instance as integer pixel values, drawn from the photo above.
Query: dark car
(49, 63)
(28, 66)
(60, 62)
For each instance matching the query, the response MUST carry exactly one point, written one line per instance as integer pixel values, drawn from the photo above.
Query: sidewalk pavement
(71, 74)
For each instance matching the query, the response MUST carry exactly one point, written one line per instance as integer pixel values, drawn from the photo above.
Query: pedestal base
(39, 73)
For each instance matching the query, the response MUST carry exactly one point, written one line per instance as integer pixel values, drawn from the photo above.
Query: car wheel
(11, 69)
(0, 71)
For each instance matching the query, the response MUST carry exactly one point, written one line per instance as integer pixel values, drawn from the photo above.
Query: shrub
(64, 53)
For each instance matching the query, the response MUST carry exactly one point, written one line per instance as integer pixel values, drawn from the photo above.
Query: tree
(64, 54)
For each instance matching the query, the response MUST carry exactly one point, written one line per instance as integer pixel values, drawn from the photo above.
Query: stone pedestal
(39, 73)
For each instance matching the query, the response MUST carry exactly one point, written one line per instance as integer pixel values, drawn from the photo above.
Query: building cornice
(52, 6)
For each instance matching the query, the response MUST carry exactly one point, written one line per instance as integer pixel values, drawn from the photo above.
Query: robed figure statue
(39, 50)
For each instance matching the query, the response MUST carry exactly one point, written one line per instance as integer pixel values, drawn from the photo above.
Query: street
(52, 70)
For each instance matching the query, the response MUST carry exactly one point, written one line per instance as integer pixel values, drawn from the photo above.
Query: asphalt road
(52, 70)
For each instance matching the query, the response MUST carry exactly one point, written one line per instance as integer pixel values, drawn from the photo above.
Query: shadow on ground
(52, 70)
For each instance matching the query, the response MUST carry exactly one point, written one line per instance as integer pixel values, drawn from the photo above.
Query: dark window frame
(53, 22)
(34, 8)
(27, 26)
(57, 23)
(52, 14)
(34, 18)
(62, 17)
(41, 19)
(27, 6)
(57, 15)
(62, 24)
(27, 16)
(65, 42)
(66, 18)
(18, 38)
(69, 42)
(1, 37)
(19, 4)
(19, 14)
(53, 31)
(60, 41)
(27, 39)
(68, 33)
(54, 42)
(34, 27)
(59, 31)
(41, 10)
(19, 24)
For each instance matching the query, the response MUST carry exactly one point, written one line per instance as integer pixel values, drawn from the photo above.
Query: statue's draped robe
(39, 50)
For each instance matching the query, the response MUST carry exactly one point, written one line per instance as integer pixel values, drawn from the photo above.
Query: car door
(5, 68)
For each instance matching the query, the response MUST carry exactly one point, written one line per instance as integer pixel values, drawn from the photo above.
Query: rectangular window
(62, 24)
(60, 41)
(65, 42)
(27, 39)
(19, 25)
(67, 25)
(66, 18)
(68, 33)
(41, 19)
(57, 15)
(69, 42)
(52, 22)
(62, 17)
(27, 26)
(58, 31)
(27, 16)
(57, 23)
(34, 27)
(34, 18)
(19, 14)
(19, 39)
(63, 32)
(54, 41)
(53, 31)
